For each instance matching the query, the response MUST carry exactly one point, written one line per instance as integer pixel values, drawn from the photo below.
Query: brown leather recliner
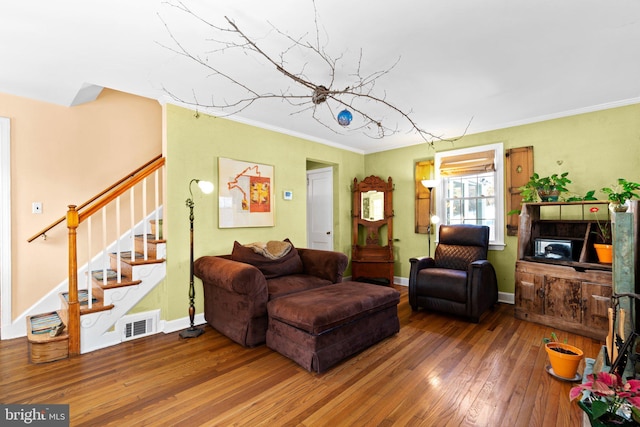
(458, 279)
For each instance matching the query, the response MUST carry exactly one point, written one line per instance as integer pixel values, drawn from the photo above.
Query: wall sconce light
(206, 187)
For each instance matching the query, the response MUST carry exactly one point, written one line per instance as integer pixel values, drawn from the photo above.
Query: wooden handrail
(153, 165)
(121, 189)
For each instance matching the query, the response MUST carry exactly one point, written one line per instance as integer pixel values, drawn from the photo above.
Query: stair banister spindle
(157, 203)
(144, 217)
(104, 245)
(89, 275)
(118, 249)
(133, 222)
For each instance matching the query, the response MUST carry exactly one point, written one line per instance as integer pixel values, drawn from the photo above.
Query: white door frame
(328, 169)
(5, 223)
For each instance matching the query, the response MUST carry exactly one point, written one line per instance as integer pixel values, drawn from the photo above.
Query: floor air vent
(139, 325)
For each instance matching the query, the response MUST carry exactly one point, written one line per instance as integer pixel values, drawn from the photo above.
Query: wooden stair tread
(151, 238)
(82, 297)
(112, 284)
(95, 307)
(112, 280)
(138, 260)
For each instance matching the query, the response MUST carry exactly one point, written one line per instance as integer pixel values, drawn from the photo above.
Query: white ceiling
(493, 63)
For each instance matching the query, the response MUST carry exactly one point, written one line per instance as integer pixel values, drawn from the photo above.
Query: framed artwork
(245, 194)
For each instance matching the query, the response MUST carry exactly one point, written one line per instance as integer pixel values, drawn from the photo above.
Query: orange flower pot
(604, 252)
(564, 365)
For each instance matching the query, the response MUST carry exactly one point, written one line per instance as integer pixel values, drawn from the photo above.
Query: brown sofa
(238, 286)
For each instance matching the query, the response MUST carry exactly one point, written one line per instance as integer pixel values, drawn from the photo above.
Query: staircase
(113, 280)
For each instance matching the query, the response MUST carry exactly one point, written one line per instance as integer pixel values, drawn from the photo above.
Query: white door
(320, 209)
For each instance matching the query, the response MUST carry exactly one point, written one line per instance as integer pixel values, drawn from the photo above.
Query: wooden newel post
(73, 327)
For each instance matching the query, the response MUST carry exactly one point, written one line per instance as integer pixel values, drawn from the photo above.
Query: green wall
(193, 145)
(595, 148)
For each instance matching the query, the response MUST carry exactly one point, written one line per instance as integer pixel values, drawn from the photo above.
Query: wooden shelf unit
(568, 294)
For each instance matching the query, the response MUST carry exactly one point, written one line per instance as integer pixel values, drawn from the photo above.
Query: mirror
(372, 205)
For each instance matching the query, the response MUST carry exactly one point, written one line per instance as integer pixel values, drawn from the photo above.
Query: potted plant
(608, 400)
(602, 245)
(546, 188)
(619, 193)
(564, 358)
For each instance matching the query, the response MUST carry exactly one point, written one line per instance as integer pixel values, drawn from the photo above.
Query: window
(471, 189)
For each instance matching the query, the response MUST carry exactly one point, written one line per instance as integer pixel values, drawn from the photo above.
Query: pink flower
(608, 392)
(604, 229)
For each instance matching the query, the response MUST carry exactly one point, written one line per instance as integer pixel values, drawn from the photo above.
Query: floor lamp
(430, 184)
(206, 187)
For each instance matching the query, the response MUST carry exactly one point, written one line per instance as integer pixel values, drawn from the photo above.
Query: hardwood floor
(438, 371)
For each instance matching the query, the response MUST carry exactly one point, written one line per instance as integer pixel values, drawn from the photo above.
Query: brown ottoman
(320, 327)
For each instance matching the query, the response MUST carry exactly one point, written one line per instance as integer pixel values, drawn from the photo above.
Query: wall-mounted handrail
(154, 164)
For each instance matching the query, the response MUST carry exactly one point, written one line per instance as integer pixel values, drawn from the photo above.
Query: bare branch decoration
(355, 97)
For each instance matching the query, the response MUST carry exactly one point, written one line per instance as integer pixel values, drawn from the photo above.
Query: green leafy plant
(554, 182)
(622, 191)
(611, 400)
(589, 195)
(530, 191)
(553, 338)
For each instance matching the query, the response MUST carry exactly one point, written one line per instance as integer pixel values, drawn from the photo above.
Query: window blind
(468, 164)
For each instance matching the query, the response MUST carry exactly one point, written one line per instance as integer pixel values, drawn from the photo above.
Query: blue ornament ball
(345, 117)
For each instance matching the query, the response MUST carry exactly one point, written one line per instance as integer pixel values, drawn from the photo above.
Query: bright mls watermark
(34, 415)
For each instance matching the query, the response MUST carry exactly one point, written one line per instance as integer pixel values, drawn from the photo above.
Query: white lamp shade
(435, 219)
(205, 186)
(429, 183)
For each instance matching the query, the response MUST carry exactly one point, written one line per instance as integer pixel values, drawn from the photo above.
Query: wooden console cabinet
(570, 293)
(563, 298)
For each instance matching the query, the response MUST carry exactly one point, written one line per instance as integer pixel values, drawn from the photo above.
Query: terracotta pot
(604, 252)
(564, 365)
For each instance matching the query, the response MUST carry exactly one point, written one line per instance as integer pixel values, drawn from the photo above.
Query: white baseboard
(504, 297)
(507, 298)
(168, 326)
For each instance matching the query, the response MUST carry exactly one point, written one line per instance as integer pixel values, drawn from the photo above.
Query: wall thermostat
(287, 195)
